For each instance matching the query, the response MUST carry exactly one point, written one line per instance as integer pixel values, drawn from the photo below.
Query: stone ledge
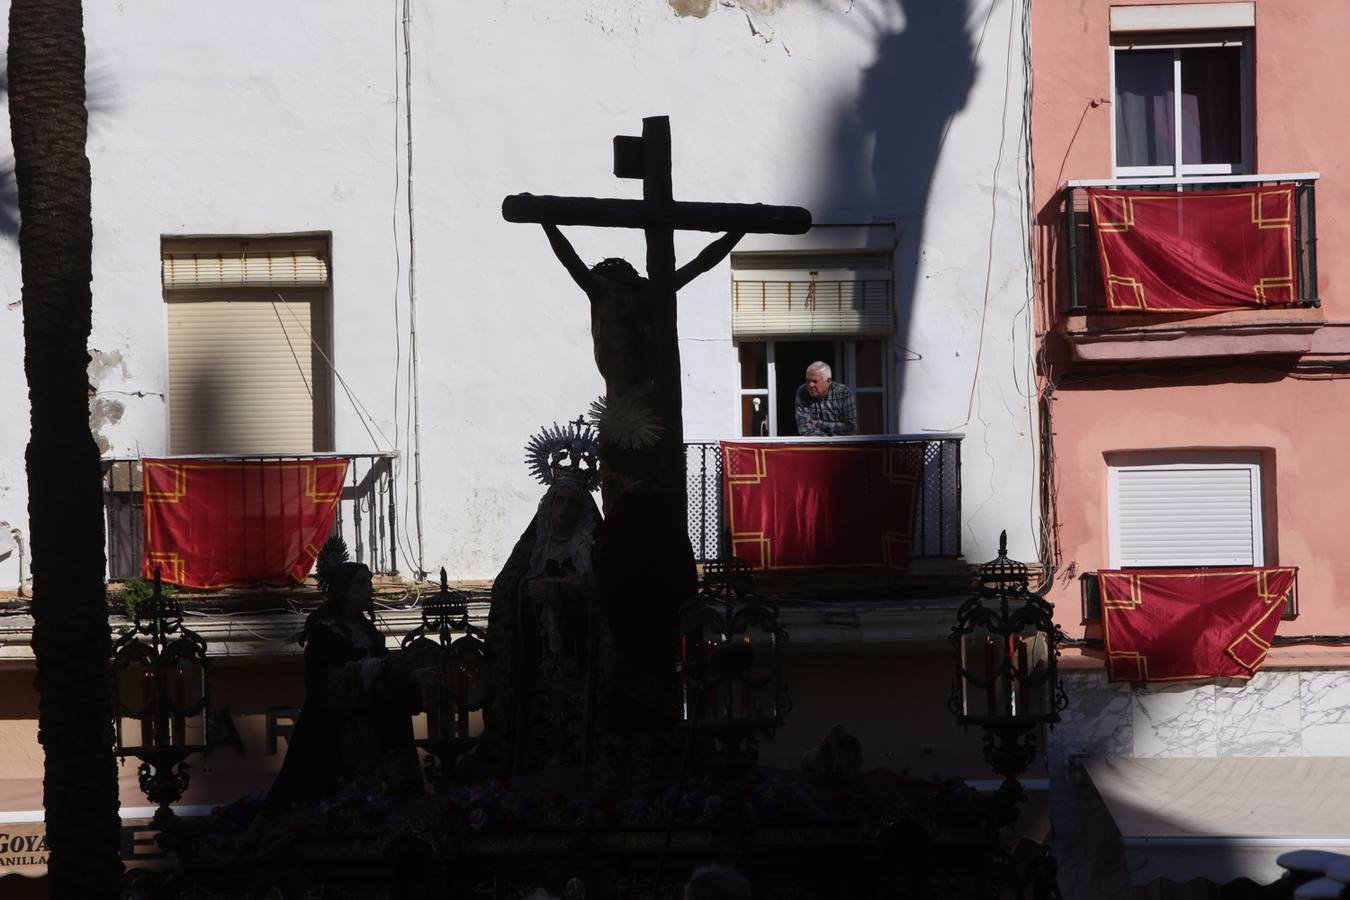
(1122, 337)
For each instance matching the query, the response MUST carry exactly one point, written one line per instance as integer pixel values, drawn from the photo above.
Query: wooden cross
(659, 215)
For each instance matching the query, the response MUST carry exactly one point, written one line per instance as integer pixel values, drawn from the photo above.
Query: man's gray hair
(716, 883)
(822, 367)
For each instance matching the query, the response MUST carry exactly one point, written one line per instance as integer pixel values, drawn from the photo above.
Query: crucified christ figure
(623, 330)
(642, 557)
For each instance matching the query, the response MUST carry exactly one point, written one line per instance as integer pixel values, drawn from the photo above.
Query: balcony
(1089, 332)
(937, 512)
(367, 511)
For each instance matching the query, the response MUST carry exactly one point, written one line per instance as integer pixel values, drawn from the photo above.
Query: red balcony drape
(1184, 624)
(821, 504)
(211, 524)
(1195, 251)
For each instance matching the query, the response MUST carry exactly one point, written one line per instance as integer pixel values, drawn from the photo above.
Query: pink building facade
(1189, 440)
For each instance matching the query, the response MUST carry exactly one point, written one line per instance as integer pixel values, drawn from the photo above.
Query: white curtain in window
(1145, 133)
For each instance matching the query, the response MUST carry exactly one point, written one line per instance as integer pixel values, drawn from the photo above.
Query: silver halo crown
(569, 451)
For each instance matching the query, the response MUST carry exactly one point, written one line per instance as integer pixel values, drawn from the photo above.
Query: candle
(1023, 697)
(160, 705)
(461, 702)
(712, 698)
(745, 686)
(684, 682)
(178, 735)
(990, 695)
(147, 709)
(1007, 696)
(432, 702)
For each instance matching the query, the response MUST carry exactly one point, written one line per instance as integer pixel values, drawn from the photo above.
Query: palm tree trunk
(49, 122)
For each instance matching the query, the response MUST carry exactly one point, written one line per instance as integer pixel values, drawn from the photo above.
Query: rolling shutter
(245, 263)
(247, 338)
(1188, 515)
(792, 294)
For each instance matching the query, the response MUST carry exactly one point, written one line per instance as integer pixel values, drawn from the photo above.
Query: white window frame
(1126, 43)
(1185, 460)
(851, 363)
(845, 350)
(767, 392)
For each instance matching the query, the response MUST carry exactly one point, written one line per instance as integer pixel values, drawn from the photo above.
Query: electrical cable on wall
(415, 399)
(362, 413)
(400, 470)
(295, 356)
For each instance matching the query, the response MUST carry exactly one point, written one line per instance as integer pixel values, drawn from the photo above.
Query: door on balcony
(792, 359)
(772, 371)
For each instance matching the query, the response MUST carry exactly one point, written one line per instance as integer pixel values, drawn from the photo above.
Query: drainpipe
(412, 294)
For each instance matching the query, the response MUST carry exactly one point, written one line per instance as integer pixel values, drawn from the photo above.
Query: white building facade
(275, 140)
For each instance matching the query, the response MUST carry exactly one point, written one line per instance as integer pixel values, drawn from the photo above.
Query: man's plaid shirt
(835, 413)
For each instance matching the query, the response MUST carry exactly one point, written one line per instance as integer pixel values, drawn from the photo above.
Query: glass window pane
(1144, 115)
(1211, 105)
(754, 365)
(871, 416)
(870, 355)
(754, 416)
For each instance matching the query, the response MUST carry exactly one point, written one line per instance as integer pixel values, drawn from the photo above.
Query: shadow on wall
(9, 187)
(887, 144)
(100, 100)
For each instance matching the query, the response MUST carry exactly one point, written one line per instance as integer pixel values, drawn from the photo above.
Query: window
(1189, 508)
(792, 309)
(1209, 131)
(771, 372)
(248, 341)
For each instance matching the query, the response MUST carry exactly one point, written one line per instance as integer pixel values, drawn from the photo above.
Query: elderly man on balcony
(824, 406)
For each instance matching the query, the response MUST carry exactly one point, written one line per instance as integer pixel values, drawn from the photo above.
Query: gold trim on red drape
(1188, 624)
(1195, 251)
(213, 523)
(821, 505)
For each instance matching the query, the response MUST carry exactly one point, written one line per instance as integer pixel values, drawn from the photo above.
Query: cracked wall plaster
(700, 8)
(102, 411)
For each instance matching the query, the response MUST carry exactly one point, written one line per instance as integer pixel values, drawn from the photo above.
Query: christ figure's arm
(710, 256)
(568, 257)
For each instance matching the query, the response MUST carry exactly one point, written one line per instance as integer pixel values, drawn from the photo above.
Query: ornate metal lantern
(458, 688)
(731, 662)
(1007, 652)
(161, 698)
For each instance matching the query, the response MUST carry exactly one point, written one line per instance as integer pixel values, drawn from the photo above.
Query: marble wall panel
(1096, 722)
(1174, 720)
(1259, 718)
(1324, 705)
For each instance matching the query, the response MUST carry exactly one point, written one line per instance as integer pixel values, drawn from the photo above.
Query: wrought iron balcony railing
(1083, 289)
(937, 514)
(367, 512)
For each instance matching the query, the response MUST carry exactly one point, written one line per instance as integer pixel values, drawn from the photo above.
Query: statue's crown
(569, 451)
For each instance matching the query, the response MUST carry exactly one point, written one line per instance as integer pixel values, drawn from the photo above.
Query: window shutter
(248, 332)
(776, 294)
(298, 262)
(242, 376)
(1201, 515)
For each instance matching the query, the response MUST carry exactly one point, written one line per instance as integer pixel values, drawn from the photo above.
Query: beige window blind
(207, 263)
(247, 372)
(792, 294)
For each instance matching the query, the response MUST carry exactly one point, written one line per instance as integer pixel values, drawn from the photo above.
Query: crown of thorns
(569, 451)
